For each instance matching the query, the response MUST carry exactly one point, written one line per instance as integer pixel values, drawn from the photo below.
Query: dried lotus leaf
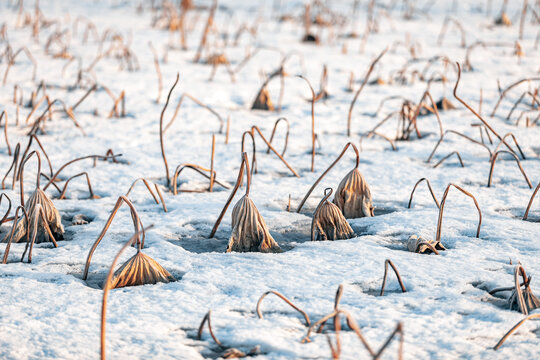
(353, 196)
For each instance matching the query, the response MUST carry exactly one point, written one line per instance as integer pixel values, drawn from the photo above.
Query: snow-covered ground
(48, 311)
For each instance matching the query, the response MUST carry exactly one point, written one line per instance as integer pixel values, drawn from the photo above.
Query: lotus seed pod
(353, 197)
(249, 229)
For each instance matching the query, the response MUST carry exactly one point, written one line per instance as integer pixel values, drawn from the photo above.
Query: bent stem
(136, 223)
(286, 135)
(63, 193)
(12, 232)
(327, 170)
(494, 159)
(513, 329)
(448, 156)
(282, 297)
(161, 131)
(386, 263)
(274, 150)
(526, 215)
(441, 210)
(366, 78)
(312, 122)
(107, 287)
(430, 190)
(243, 164)
(206, 319)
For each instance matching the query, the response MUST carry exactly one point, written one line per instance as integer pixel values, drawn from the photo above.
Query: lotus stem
(366, 78)
(161, 131)
(513, 329)
(21, 173)
(430, 190)
(158, 71)
(312, 122)
(460, 134)
(206, 319)
(212, 172)
(13, 166)
(284, 298)
(15, 220)
(274, 131)
(448, 156)
(327, 170)
(63, 193)
(526, 215)
(137, 224)
(441, 210)
(147, 184)
(508, 88)
(253, 156)
(515, 142)
(494, 159)
(386, 263)
(274, 150)
(4, 114)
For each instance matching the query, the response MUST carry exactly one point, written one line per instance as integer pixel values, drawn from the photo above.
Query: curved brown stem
(198, 169)
(526, 215)
(337, 299)
(253, 156)
(398, 329)
(13, 166)
(327, 170)
(21, 173)
(147, 184)
(312, 122)
(158, 71)
(274, 132)
(201, 104)
(515, 142)
(386, 263)
(55, 176)
(475, 113)
(161, 130)
(34, 137)
(513, 329)
(4, 114)
(448, 156)
(284, 298)
(494, 159)
(350, 321)
(366, 78)
(206, 319)
(441, 210)
(521, 301)
(430, 190)
(13, 227)
(460, 134)
(107, 287)
(274, 150)
(212, 172)
(9, 207)
(458, 25)
(508, 88)
(161, 197)
(63, 193)
(38, 212)
(12, 61)
(136, 223)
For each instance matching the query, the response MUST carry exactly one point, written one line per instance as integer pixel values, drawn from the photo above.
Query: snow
(48, 311)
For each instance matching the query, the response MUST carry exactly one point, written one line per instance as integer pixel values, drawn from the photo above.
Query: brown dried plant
(441, 211)
(526, 215)
(44, 221)
(328, 222)
(284, 298)
(494, 159)
(418, 244)
(139, 270)
(513, 329)
(149, 188)
(353, 196)
(386, 263)
(430, 190)
(249, 231)
(137, 225)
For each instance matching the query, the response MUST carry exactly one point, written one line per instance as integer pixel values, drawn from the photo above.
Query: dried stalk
(282, 297)
(4, 114)
(430, 190)
(212, 172)
(196, 101)
(55, 176)
(515, 142)
(513, 329)
(209, 23)
(137, 224)
(206, 319)
(441, 210)
(386, 263)
(92, 195)
(161, 131)
(13, 227)
(530, 202)
(13, 167)
(312, 122)
(508, 88)
(494, 159)
(475, 113)
(274, 132)
(198, 169)
(8, 210)
(253, 128)
(460, 134)
(158, 71)
(448, 156)
(327, 170)
(366, 78)
(458, 25)
(12, 61)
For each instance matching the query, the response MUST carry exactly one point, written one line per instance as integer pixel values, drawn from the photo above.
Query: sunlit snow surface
(47, 311)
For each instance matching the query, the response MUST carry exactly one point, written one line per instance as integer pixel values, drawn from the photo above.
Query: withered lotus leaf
(353, 196)
(140, 269)
(329, 223)
(250, 232)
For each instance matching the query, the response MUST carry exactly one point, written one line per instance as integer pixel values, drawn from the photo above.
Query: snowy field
(49, 312)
